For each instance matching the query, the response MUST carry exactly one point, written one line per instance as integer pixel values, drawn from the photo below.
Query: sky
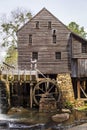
(65, 10)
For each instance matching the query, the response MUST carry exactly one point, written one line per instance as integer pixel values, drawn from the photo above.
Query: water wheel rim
(36, 87)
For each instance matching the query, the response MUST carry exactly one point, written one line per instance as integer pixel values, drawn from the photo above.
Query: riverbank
(20, 118)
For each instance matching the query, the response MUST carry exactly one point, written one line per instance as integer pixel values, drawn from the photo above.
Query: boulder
(60, 117)
(66, 111)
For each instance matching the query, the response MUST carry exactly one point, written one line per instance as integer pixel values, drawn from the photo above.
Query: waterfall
(3, 98)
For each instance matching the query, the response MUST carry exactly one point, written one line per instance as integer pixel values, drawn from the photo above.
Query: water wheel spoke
(54, 93)
(41, 90)
(45, 86)
(36, 95)
(51, 88)
(48, 85)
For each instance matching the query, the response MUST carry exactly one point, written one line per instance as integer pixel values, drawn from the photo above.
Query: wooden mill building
(57, 50)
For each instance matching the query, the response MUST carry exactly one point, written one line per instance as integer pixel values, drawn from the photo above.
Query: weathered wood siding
(42, 43)
(79, 59)
(82, 67)
(77, 49)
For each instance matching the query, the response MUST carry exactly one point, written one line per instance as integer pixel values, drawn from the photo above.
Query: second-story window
(84, 47)
(37, 24)
(54, 36)
(30, 38)
(35, 55)
(58, 55)
(49, 24)
(54, 32)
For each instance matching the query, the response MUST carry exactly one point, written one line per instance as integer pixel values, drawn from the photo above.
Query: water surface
(35, 120)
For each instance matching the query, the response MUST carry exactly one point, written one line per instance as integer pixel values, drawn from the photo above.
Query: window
(37, 24)
(49, 25)
(34, 55)
(30, 38)
(54, 38)
(84, 48)
(58, 55)
(54, 32)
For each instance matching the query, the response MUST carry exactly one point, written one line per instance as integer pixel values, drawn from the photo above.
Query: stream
(34, 120)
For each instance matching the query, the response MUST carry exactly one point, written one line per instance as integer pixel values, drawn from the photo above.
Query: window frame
(58, 55)
(34, 55)
(54, 38)
(49, 24)
(54, 35)
(37, 25)
(30, 38)
(84, 47)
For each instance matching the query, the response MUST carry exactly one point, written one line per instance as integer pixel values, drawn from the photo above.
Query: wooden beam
(31, 95)
(78, 89)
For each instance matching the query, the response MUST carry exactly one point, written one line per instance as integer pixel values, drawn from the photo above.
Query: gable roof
(72, 33)
(78, 37)
(44, 9)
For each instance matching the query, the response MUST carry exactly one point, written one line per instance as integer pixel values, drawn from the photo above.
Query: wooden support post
(78, 89)
(31, 95)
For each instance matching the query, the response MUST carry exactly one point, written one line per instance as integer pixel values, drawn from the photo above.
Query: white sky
(65, 10)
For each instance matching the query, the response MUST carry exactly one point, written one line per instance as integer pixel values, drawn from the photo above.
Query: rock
(14, 110)
(66, 110)
(60, 117)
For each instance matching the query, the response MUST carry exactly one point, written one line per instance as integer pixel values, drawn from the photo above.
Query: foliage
(9, 28)
(83, 108)
(11, 57)
(17, 19)
(68, 105)
(74, 27)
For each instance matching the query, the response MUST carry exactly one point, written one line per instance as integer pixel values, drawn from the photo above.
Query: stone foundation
(67, 94)
(65, 85)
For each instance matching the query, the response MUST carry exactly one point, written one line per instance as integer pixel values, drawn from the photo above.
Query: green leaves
(74, 27)
(9, 28)
(11, 57)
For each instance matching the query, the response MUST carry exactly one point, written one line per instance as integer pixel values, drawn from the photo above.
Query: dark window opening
(49, 25)
(54, 38)
(54, 32)
(34, 55)
(58, 55)
(37, 24)
(84, 48)
(30, 38)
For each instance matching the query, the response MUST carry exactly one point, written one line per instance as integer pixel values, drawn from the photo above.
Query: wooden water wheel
(43, 87)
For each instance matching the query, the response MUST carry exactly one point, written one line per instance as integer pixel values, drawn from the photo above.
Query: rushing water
(34, 120)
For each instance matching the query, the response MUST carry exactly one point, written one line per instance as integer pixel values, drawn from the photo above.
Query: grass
(82, 108)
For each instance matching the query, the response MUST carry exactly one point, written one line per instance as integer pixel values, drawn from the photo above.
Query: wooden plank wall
(43, 44)
(77, 49)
